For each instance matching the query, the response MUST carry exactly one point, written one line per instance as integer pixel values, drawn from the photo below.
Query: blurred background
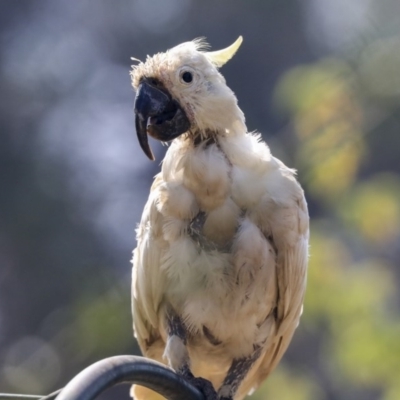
(320, 79)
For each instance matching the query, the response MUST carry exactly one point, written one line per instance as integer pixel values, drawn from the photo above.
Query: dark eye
(187, 77)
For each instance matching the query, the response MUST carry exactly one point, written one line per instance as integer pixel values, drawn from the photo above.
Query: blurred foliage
(379, 225)
(97, 321)
(287, 385)
(327, 118)
(75, 183)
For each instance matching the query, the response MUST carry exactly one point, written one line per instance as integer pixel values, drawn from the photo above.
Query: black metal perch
(98, 377)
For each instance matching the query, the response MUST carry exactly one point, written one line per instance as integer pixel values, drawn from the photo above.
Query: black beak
(157, 115)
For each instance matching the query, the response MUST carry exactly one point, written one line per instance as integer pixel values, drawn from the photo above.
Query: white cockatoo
(219, 272)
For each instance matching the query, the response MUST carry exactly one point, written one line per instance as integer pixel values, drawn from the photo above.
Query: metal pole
(9, 396)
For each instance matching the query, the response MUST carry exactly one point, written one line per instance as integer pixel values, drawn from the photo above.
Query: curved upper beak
(157, 115)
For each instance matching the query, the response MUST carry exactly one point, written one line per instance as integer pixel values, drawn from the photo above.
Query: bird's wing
(284, 218)
(147, 282)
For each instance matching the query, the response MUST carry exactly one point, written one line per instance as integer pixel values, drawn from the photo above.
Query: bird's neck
(203, 137)
(210, 136)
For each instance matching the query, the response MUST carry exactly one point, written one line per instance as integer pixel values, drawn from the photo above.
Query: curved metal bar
(98, 377)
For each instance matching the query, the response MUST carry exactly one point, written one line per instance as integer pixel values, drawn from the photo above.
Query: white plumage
(223, 239)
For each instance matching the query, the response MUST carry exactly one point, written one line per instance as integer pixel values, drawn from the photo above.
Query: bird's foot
(205, 387)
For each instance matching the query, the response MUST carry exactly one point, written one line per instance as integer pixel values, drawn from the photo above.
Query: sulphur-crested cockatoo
(219, 272)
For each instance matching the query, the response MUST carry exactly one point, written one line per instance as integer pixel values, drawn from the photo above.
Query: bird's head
(181, 91)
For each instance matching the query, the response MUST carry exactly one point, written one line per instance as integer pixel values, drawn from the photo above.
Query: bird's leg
(236, 373)
(178, 356)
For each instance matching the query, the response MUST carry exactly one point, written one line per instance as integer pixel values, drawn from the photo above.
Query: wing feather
(285, 220)
(147, 281)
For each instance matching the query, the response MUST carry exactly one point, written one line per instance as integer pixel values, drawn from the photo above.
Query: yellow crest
(221, 57)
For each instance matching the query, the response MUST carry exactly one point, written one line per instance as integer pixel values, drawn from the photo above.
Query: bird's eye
(187, 76)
